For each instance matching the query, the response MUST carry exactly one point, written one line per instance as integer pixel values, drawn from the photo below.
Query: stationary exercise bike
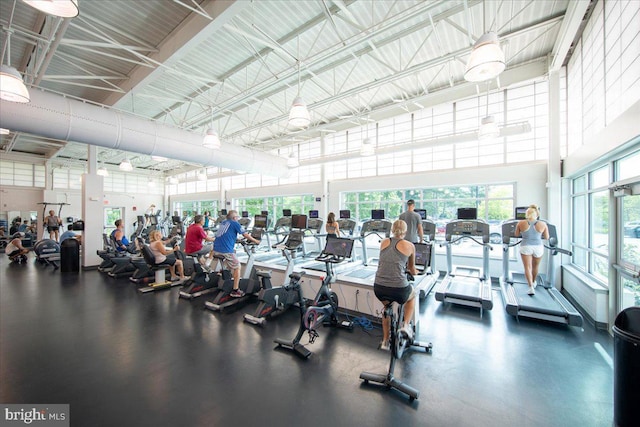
(276, 300)
(399, 343)
(324, 308)
(251, 283)
(203, 281)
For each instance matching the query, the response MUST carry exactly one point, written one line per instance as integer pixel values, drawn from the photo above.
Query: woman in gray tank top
(532, 232)
(396, 257)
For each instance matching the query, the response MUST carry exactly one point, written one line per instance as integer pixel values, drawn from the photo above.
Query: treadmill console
(314, 224)
(347, 226)
(285, 221)
(294, 239)
(471, 228)
(380, 226)
(429, 229)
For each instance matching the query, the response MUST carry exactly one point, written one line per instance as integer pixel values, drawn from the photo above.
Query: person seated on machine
(193, 241)
(122, 243)
(397, 256)
(14, 249)
(224, 244)
(70, 234)
(164, 256)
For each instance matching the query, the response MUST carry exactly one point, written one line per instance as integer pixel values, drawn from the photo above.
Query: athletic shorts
(536, 251)
(171, 260)
(204, 251)
(399, 295)
(51, 228)
(230, 260)
(14, 253)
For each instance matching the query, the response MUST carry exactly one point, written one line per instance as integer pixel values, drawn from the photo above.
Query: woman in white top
(532, 232)
(332, 227)
(165, 256)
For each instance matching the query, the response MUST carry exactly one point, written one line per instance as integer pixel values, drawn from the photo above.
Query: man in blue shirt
(69, 234)
(225, 245)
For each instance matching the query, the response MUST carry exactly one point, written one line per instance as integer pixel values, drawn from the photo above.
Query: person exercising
(332, 228)
(193, 240)
(53, 224)
(122, 243)
(397, 256)
(532, 232)
(164, 256)
(224, 245)
(414, 222)
(14, 249)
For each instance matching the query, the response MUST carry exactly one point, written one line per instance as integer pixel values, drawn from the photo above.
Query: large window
(21, 174)
(590, 231)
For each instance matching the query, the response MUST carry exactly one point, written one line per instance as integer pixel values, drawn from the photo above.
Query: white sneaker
(531, 291)
(384, 346)
(407, 331)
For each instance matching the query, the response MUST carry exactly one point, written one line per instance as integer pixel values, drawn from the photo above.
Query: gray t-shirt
(392, 267)
(412, 219)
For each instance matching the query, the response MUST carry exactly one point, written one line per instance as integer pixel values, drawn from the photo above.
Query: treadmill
(547, 303)
(426, 260)
(378, 226)
(464, 285)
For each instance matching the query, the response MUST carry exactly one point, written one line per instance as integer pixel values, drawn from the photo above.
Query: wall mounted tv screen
(345, 214)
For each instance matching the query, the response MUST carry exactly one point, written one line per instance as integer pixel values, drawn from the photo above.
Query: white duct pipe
(54, 116)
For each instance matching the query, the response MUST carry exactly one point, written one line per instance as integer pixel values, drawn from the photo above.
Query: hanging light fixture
(126, 165)
(62, 8)
(367, 148)
(299, 114)
(159, 159)
(292, 160)
(211, 139)
(4, 131)
(488, 126)
(102, 171)
(486, 61)
(12, 87)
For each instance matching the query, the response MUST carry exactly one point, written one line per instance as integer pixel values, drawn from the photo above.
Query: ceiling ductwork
(54, 116)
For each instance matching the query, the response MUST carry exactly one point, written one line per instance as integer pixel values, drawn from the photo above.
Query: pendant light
(292, 160)
(488, 126)
(367, 148)
(486, 61)
(4, 131)
(12, 87)
(102, 171)
(62, 8)
(211, 139)
(299, 114)
(126, 165)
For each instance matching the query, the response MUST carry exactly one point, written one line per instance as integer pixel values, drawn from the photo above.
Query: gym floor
(121, 358)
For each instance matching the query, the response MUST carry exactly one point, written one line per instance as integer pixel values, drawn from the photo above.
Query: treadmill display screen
(313, 214)
(345, 214)
(377, 213)
(223, 212)
(422, 212)
(339, 247)
(245, 214)
(299, 221)
(423, 254)
(265, 213)
(521, 212)
(467, 213)
(260, 221)
(286, 212)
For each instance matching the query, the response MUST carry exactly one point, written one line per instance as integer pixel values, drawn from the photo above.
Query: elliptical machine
(276, 300)
(324, 308)
(203, 281)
